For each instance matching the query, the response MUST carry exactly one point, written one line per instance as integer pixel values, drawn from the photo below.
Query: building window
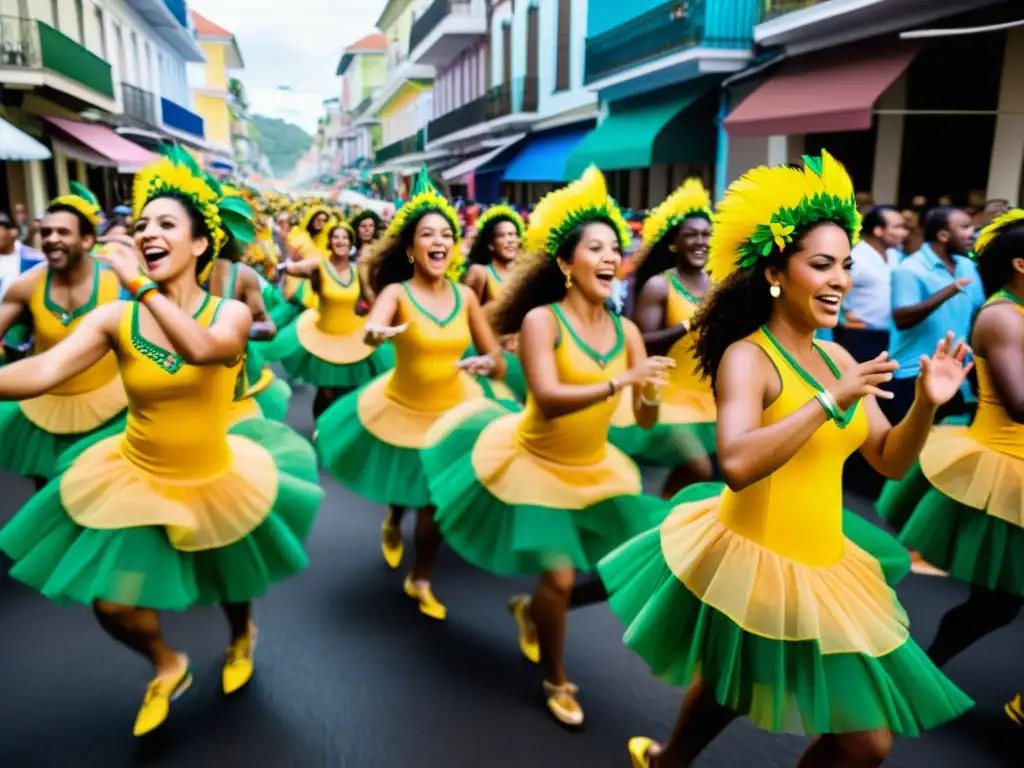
(135, 58)
(55, 13)
(149, 68)
(103, 32)
(563, 52)
(80, 21)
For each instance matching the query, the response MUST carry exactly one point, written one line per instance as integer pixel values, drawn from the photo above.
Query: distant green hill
(282, 142)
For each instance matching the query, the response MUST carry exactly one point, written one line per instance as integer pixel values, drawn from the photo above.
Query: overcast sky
(294, 43)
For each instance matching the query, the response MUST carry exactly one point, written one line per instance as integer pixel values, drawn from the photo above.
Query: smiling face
(505, 241)
(595, 262)
(341, 241)
(691, 242)
(367, 230)
(62, 239)
(432, 244)
(816, 278)
(316, 225)
(165, 237)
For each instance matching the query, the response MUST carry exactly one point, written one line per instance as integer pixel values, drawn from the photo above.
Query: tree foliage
(282, 142)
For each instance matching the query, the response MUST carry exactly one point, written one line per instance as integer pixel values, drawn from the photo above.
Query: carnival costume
(34, 432)
(962, 505)
(520, 493)
(325, 346)
(371, 440)
(760, 593)
(686, 416)
(514, 379)
(297, 293)
(174, 510)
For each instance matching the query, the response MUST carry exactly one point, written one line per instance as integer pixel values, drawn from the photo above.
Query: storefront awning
(473, 164)
(824, 93)
(544, 157)
(667, 127)
(101, 143)
(18, 146)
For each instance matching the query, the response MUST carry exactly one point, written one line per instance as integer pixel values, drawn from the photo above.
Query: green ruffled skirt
(303, 365)
(139, 567)
(509, 539)
(664, 445)
(30, 451)
(798, 688)
(273, 401)
(515, 379)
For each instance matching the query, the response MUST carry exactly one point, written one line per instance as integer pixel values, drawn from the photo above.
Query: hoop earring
(775, 291)
(568, 281)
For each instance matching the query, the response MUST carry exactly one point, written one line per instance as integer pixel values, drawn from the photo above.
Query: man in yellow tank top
(52, 298)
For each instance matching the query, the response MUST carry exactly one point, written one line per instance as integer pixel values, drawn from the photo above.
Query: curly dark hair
(736, 307)
(481, 252)
(359, 218)
(995, 264)
(536, 281)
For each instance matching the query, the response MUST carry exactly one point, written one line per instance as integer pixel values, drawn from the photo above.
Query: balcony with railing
(502, 100)
(670, 28)
(181, 119)
(139, 104)
(446, 29)
(774, 8)
(32, 49)
(406, 146)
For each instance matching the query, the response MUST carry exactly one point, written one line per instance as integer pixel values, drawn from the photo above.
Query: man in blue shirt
(934, 291)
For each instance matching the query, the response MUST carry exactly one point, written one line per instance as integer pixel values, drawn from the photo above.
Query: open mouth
(438, 256)
(154, 256)
(831, 302)
(605, 276)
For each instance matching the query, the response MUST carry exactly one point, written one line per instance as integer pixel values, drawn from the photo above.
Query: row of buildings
(89, 88)
(511, 98)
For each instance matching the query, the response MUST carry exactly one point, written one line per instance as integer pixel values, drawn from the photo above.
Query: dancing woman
(962, 506)
(135, 522)
(326, 346)
(541, 492)
(761, 597)
(368, 227)
(52, 300)
(670, 281)
(371, 440)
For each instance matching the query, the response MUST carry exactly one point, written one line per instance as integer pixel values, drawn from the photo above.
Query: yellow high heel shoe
(156, 705)
(238, 665)
(639, 751)
(1015, 710)
(429, 605)
(391, 544)
(563, 704)
(519, 607)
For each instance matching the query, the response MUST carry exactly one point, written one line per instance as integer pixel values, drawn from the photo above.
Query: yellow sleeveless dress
(325, 347)
(512, 386)
(521, 493)
(371, 439)
(173, 509)
(33, 433)
(962, 506)
(686, 418)
(766, 595)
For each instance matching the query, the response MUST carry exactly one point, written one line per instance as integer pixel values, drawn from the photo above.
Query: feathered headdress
(762, 210)
(83, 201)
(312, 212)
(691, 199)
(498, 213)
(558, 213)
(226, 215)
(996, 227)
(426, 199)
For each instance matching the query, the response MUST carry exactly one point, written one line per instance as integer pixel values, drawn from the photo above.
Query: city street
(349, 674)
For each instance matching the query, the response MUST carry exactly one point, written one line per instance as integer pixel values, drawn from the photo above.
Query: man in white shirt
(867, 308)
(15, 256)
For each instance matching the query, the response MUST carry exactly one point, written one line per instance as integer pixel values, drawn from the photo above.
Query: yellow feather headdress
(426, 199)
(763, 209)
(312, 213)
(558, 213)
(83, 201)
(691, 199)
(501, 212)
(995, 228)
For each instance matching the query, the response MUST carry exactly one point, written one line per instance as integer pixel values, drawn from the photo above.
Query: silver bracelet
(650, 403)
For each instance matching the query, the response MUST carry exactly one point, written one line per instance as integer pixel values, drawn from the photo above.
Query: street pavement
(350, 674)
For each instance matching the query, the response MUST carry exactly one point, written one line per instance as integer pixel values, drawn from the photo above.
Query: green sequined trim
(431, 315)
(167, 360)
(494, 274)
(807, 377)
(589, 351)
(67, 317)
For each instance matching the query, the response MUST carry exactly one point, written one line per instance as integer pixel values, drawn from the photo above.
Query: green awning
(658, 128)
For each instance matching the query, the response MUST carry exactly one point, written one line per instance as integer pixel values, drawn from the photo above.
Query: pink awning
(126, 156)
(821, 93)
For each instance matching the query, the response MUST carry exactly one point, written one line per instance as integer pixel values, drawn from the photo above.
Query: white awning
(17, 145)
(470, 165)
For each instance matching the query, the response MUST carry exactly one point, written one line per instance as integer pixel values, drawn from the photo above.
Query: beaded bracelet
(149, 289)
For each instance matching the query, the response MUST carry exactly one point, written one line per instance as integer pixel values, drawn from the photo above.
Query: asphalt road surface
(349, 674)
